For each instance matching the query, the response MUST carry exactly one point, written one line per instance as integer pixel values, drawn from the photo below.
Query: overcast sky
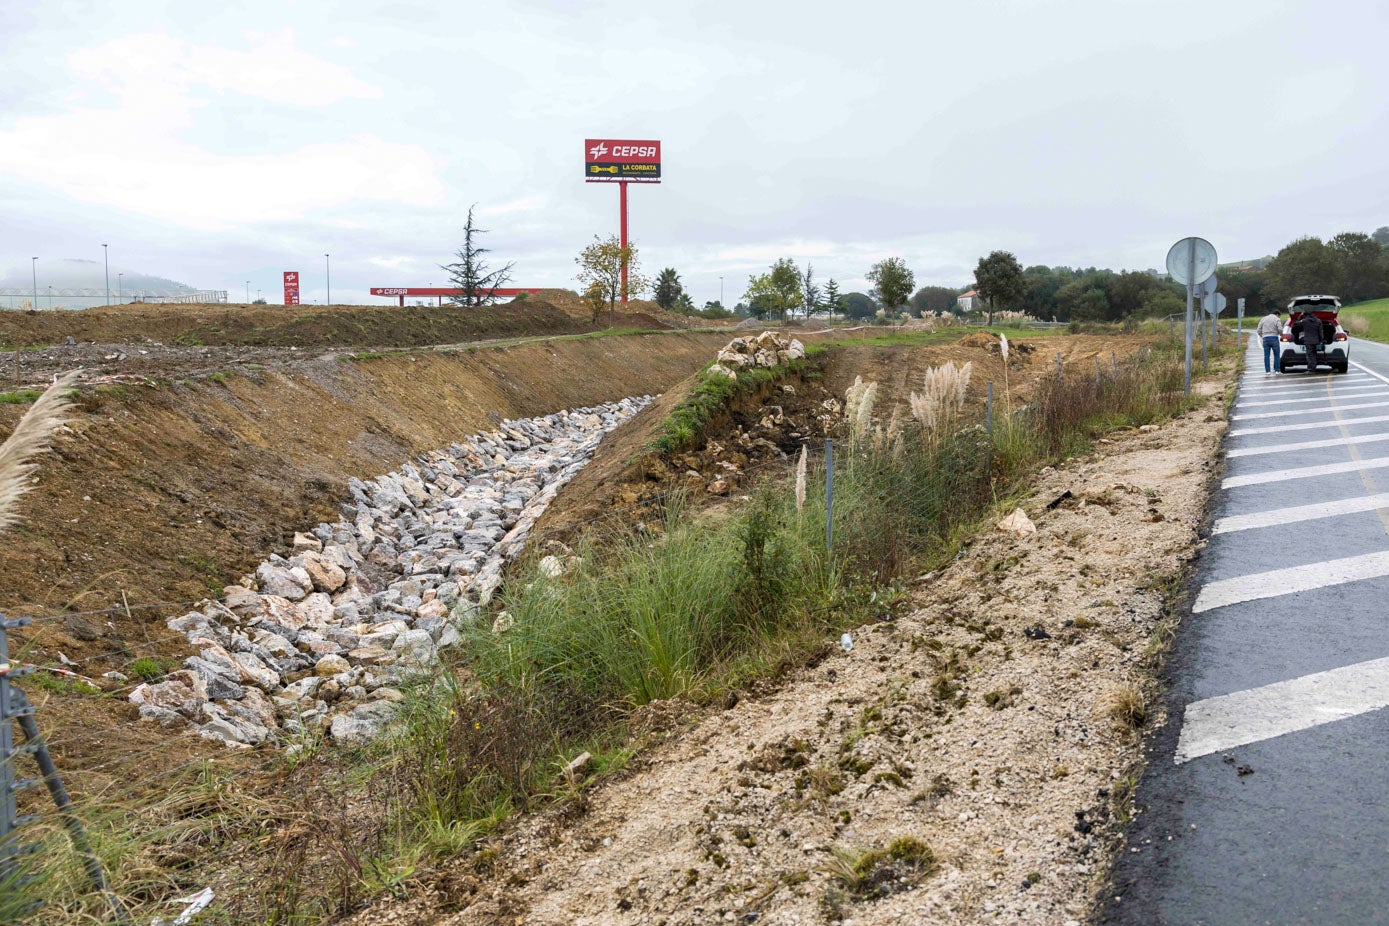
(219, 143)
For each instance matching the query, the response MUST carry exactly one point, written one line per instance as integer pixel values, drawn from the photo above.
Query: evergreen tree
(476, 283)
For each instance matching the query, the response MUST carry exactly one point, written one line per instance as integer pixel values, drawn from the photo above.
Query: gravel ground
(979, 725)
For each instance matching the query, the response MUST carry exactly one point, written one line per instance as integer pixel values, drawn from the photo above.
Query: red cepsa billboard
(291, 287)
(613, 159)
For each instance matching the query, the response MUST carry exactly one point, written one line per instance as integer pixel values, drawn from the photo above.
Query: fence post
(14, 706)
(1097, 368)
(829, 497)
(9, 785)
(989, 429)
(1058, 365)
(1115, 358)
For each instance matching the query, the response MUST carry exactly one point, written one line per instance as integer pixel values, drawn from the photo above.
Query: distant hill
(67, 273)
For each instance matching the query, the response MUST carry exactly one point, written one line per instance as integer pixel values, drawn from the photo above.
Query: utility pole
(119, 288)
(106, 259)
(248, 292)
(720, 292)
(328, 275)
(35, 267)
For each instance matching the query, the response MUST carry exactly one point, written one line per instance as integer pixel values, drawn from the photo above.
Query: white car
(1335, 346)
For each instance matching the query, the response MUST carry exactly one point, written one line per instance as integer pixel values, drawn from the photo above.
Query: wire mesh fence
(601, 626)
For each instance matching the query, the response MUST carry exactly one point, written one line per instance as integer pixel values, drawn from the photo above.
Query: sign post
(608, 160)
(291, 287)
(1239, 320)
(1190, 261)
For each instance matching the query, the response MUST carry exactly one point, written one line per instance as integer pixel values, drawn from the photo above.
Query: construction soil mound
(309, 326)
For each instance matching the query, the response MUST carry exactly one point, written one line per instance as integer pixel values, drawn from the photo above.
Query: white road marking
(1289, 412)
(1307, 445)
(1300, 513)
(1368, 372)
(1303, 577)
(1309, 425)
(1358, 393)
(1300, 382)
(1303, 472)
(1256, 714)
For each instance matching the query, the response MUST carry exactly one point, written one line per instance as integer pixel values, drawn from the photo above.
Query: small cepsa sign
(608, 159)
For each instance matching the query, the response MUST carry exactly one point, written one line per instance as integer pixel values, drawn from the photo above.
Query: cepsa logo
(608, 151)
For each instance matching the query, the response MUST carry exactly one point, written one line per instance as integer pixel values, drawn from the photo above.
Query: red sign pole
(623, 186)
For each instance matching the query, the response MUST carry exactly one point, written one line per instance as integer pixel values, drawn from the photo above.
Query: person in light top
(1270, 327)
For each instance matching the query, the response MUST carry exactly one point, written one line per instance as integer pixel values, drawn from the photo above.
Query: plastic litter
(847, 643)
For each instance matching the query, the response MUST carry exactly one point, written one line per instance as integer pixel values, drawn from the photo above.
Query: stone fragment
(331, 665)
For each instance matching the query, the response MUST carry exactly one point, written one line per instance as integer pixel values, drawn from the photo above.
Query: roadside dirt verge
(963, 763)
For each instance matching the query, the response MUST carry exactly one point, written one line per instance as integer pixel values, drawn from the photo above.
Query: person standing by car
(1311, 338)
(1270, 327)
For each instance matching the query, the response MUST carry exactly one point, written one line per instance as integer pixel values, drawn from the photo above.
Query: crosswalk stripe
(1309, 425)
(1300, 380)
(1358, 393)
(1216, 724)
(1307, 445)
(1299, 513)
(1321, 384)
(1303, 472)
(1289, 412)
(1301, 578)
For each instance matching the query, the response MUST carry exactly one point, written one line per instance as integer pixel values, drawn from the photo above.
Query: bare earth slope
(950, 725)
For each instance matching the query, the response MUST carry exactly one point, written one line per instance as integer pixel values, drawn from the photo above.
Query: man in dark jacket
(1311, 338)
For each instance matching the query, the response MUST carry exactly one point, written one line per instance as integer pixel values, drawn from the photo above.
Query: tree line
(1351, 265)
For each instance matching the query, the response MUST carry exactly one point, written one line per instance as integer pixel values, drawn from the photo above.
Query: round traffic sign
(1188, 253)
(1213, 303)
(1208, 286)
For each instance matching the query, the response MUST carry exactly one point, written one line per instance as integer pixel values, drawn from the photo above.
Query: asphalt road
(1266, 799)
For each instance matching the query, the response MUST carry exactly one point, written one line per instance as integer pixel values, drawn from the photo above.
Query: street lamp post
(35, 267)
(248, 292)
(328, 275)
(720, 292)
(119, 296)
(106, 259)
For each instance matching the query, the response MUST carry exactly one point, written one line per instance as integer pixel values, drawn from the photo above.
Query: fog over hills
(69, 273)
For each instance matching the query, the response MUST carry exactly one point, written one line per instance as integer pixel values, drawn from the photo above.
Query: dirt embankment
(283, 326)
(977, 745)
(771, 422)
(168, 492)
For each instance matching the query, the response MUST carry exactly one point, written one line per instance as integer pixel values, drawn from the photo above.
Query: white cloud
(145, 159)
(271, 67)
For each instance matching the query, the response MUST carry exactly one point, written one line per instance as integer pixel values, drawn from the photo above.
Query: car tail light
(1340, 336)
(1285, 337)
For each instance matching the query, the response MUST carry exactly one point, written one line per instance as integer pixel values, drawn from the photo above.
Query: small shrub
(145, 669)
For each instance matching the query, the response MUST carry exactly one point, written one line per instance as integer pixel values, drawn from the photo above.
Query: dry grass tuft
(1125, 706)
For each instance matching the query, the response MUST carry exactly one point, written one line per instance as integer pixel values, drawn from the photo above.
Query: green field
(1367, 320)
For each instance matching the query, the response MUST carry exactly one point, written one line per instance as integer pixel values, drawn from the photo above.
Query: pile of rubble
(766, 350)
(323, 639)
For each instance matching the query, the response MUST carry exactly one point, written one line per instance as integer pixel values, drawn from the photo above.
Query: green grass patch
(1367, 320)
(19, 396)
(711, 396)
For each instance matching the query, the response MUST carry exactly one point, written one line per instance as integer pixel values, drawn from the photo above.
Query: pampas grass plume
(29, 439)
